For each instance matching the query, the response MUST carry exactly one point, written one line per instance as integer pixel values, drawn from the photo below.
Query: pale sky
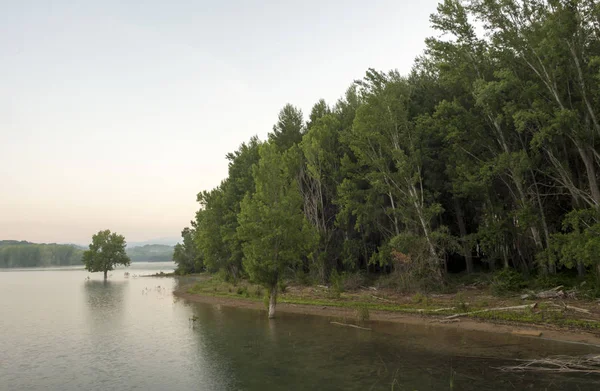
(115, 114)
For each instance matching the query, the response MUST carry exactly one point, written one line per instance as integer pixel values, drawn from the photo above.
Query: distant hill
(15, 253)
(150, 253)
(172, 241)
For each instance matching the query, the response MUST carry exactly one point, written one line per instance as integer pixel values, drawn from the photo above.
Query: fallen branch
(382, 299)
(516, 307)
(551, 294)
(528, 333)
(560, 364)
(444, 309)
(445, 321)
(583, 310)
(569, 307)
(350, 325)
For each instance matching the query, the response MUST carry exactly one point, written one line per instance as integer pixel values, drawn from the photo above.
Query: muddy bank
(348, 315)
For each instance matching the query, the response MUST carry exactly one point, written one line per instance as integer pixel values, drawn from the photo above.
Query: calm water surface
(59, 331)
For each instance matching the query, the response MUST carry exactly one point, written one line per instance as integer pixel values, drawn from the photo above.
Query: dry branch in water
(582, 364)
(350, 325)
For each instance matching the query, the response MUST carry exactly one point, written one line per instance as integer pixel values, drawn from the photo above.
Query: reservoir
(67, 329)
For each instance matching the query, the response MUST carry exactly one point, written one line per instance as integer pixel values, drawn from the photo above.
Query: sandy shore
(547, 332)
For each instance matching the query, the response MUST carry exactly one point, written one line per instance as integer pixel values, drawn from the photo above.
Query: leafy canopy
(106, 250)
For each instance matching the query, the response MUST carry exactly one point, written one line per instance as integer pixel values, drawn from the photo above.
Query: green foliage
(485, 154)
(460, 303)
(362, 313)
(105, 252)
(272, 226)
(337, 281)
(282, 286)
(25, 254)
(507, 281)
(579, 241)
(418, 298)
(186, 255)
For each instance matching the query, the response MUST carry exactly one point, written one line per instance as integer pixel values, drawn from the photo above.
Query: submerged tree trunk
(105, 274)
(272, 302)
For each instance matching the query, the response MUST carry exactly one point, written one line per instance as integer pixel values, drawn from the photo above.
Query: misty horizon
(114, 116)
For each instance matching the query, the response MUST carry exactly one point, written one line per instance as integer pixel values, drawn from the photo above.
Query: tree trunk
(460, 218)
(272, 302)
(590, 171)
(580, 269)
(105, 274)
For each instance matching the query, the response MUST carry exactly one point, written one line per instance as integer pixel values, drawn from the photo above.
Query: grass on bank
(363, 301)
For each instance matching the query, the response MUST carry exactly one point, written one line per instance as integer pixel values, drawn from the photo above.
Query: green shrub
(362, 313)
(333, 294)
(337, 281)
(460, 303)
(242, 290)
(282, 285)
(302, 278)
(418, 298)
(353, 281)
(507, 281)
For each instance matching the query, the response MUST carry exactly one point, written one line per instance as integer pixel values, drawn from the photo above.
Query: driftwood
(350, 325)
(583, 310)
(528, 333)
(445, 321)
(516, 307)
(570, 307)
(444, 309)
(560, 364)
(549, 294)
(368, 288)
(382, 299)
(436, 310)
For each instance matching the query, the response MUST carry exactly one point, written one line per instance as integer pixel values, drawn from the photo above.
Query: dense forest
(484, 157)
(150, 253)
(25, 254)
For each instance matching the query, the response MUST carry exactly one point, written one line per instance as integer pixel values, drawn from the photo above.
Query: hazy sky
(115, 114)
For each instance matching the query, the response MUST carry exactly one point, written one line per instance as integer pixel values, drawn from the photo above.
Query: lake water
(59, 331)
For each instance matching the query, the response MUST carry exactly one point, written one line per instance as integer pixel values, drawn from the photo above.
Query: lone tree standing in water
(106, 250)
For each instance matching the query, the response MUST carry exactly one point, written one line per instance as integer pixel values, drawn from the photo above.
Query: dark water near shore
(59, 331)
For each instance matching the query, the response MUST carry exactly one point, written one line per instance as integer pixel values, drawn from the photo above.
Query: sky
(114, 114)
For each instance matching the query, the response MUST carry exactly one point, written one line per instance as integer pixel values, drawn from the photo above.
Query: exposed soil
(526, 330)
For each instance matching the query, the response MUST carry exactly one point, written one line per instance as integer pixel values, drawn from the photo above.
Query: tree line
(150, 253)
(25, 254)
(485, 156)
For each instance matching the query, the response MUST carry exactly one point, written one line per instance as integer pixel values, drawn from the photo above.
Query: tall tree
(271, 223)
(186, 255)
(105, 252)
(289, 128)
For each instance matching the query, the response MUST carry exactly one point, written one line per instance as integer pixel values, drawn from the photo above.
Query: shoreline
(527, 330)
